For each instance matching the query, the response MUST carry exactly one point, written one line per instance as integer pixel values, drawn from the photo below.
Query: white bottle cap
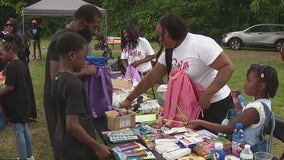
(218, 145)
(247, 146)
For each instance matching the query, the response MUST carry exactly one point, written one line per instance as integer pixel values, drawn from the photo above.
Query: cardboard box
(117, 122)
(121, 83)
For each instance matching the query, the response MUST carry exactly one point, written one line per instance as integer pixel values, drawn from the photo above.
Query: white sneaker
(31, 158)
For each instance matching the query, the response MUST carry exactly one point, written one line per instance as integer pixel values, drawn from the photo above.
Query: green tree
(210, 17)
(268, 11)
(17, 5)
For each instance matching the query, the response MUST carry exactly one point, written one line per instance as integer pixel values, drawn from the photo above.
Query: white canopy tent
(57, 8)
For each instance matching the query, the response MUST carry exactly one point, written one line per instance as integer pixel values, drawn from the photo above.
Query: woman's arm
(154, 76)
(225, 69)
(146, 59)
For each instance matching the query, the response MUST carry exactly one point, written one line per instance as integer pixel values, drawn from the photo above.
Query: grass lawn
(241, 59)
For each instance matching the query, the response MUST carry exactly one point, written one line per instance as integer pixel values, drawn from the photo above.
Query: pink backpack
(181, 99)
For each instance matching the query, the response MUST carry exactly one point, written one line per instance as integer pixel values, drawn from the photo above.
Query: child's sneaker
(31, 158)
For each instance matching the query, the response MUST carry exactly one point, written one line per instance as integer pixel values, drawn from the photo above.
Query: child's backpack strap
(269, 120)
(269, 124)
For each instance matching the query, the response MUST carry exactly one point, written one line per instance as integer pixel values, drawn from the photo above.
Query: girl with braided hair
(261, 83)
(15, 95)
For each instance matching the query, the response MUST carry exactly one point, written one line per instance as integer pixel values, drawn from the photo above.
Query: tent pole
(106, 25)
(23, 23)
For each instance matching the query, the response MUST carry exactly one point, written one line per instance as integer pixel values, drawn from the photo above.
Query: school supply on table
(149, 139)
(120, 119)
(191, 158)
(204, 148)
(174, 130)
(166, 145)
(191, 137)
(133, 151)
(146, 118)
(124, 135)
(143, 129)
(176, 153)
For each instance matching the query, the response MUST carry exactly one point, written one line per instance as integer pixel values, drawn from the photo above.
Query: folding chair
(279, 129)
(275, 129)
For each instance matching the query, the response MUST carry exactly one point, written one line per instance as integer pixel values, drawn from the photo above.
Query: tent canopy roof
(56, 8)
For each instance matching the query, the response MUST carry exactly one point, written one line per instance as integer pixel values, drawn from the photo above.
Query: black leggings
(218, 110)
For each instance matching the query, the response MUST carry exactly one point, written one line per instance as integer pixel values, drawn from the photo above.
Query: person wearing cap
(36, 32)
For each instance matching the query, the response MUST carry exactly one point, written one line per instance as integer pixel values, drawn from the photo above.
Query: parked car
(260, 35)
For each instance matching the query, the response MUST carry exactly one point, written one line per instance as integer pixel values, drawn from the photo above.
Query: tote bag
(99, 87)
(133, 74)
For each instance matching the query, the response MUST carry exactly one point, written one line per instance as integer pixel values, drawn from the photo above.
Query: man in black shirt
(36, 33)
(75, 131)
(86, 22)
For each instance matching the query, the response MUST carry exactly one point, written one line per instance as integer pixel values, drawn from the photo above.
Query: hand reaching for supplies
(103, 152)
(89, 70)
(193, 123)
(125, 104)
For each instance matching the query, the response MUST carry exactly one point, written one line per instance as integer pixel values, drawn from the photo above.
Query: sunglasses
(8, 25)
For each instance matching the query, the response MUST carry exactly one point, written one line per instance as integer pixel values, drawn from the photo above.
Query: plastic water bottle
(218, 153)
(246, 153)
(241, 100)
(238, 140)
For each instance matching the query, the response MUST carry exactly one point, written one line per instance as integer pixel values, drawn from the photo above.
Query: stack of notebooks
(149, 139)
(204, 148)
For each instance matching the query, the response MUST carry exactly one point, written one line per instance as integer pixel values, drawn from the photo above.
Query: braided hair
(11, 42)
(268, 75)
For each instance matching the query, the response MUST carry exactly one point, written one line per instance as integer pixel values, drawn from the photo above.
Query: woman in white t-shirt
(136, 50)
(201, 58)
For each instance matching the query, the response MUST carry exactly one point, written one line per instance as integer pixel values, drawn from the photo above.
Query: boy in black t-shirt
(75, 132)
